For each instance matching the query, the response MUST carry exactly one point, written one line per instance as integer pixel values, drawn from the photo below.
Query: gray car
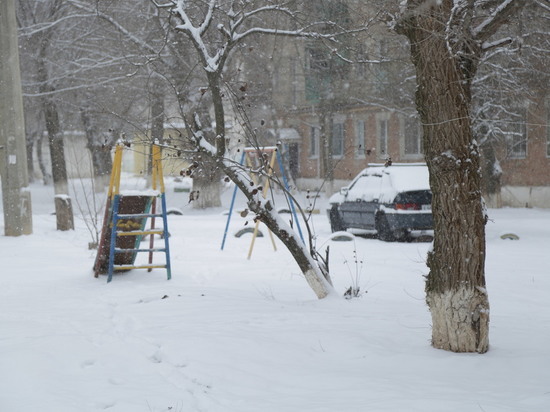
(392, 201)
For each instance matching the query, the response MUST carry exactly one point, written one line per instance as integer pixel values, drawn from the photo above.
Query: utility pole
(13, 155)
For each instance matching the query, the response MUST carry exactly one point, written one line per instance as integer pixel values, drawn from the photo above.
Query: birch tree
(447, 39)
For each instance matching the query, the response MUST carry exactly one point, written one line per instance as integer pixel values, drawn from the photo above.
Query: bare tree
(215, 29)
(40, 40)
(447, 39)
(509, 81)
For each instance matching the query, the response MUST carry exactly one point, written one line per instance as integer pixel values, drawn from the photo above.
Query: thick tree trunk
(207, 178)
(455, 287)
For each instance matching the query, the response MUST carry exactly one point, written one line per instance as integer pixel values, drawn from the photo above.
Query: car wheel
(336, 223)
(383, 228)
(402, 235)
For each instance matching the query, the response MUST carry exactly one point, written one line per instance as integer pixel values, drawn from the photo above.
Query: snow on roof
(393, 180)
(285, 133)
(409, 177)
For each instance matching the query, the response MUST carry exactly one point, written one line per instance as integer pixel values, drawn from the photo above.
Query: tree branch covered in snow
(498, 15)
(313, 267)
(215, 28)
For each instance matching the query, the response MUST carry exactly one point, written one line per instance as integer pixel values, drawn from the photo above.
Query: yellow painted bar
(157, 168)
(129, 267)
(114, 181)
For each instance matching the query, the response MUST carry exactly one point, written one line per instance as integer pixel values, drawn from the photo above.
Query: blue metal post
(292, 208)
(113, 238)
(166, 235)
(231, 207)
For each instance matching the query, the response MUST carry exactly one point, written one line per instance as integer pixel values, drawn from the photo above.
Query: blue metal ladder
(139, 234)
(126, 217)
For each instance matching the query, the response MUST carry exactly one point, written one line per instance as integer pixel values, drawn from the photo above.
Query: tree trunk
(63, 208)
(206, 185)
(491, 176)
(207, 177)
(317, 278)
(57, 147)
(455, 287)
(30, 159)
(157, 113)
(325, 149)
(55, 137)
(46, 176)
(64, 212)
(100, 168)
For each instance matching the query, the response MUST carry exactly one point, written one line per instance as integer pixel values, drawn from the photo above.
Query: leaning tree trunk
(315, 273)
(455, 287)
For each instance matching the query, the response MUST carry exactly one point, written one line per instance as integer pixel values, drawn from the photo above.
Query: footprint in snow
(87, 363)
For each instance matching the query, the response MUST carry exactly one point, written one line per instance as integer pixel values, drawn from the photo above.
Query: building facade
(347, 115)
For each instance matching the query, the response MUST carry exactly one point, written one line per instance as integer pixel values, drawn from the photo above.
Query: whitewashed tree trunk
(460, 319)
(445, 50)
(206, 193)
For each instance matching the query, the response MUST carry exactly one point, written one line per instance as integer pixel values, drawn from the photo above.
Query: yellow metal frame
(157, 174)
(158, 186)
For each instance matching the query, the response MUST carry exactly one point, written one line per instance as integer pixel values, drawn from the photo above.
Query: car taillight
(407, 206)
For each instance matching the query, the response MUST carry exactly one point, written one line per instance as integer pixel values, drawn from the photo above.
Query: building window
(338, 139)
(360, 138)
(412, 133)
(517, 140)
(382, 133)
(313, 141)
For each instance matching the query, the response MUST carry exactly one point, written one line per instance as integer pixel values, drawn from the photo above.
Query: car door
(359, 208)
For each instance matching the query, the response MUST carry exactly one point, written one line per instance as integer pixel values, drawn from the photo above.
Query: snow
(231, 334)
(384, 183)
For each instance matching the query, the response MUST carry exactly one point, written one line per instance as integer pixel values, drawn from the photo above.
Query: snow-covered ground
(238, 335)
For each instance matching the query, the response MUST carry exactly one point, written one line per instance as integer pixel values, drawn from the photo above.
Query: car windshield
(366, 187)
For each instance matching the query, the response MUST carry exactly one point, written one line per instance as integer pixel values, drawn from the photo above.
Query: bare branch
(486, 46)
(497, 18)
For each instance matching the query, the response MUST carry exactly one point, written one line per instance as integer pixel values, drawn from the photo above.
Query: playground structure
(249, 155)
(125, 221)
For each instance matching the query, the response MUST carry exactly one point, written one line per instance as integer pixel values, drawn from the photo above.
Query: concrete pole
(13, 155)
